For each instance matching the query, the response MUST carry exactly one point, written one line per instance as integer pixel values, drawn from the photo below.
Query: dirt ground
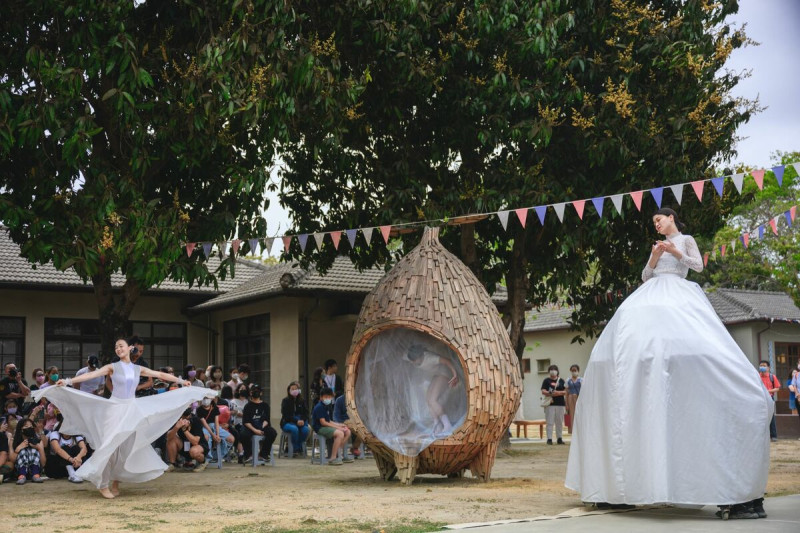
(296, 496)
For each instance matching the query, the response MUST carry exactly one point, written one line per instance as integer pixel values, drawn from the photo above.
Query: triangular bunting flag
(714, 255)
(253, 246)
(351, 236)
(367, 234)
(522, 215)
(796, 167)
(677, 192)
(617, 201)
(760, 232)
(268, 242)
(541, 211)
(793, 212)
(303, 240)
(774, 225)
(235, 245)
(705, 259)
(319, 238)
(778, 171)
(637, 199)
(385, 230)
(738, 181)
(598, 205)
(207, 249)
(658, 194)
(336, 236)
(698, 189)
(733, 246)
(758, 175)
(190, 248)
(788, 216)
(722, 250)
(287, 242)
(559, 209)
(718, 183)
(579, 205)
(746, 239)
(502, 215)
(222, 246)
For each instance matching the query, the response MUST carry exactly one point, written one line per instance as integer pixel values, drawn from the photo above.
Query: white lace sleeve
(692, 258)
(647, 273)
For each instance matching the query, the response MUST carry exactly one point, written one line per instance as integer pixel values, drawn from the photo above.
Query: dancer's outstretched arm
(102, 371)
(163, 376)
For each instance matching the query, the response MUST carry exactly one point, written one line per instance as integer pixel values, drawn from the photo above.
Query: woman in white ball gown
(671, 410)
(120, 428)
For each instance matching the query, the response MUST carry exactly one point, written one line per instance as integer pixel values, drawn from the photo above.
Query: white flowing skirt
(120, 431)
(671, 410)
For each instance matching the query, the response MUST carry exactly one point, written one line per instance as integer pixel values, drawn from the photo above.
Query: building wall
(329, 336)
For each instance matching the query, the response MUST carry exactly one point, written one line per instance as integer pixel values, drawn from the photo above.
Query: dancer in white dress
(652, 428)
(121, 428)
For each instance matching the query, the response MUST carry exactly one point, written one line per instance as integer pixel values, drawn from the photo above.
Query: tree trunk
(113, 312)
(517, 284)
(469, 252)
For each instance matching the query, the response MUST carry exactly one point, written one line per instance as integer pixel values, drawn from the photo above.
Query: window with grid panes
(164, 344)
(246, 340)
(12, 343)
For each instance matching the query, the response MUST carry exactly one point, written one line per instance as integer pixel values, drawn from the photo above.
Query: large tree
(479, 106)
(128, 128)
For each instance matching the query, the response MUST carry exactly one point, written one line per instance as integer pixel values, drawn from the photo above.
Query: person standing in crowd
(38, 378)
(234, 381)
(294, 416)
(332, 379)
(796, 387)
(773, 385)
(317, 384)
(215, 376)
(190, 375)
(27, 453)
(573, 391)
(145, 387)
(51, 377)
(121, 428)
(13, 387)
(255, 421)
(554, 387)
(792, 396)
(92, 386)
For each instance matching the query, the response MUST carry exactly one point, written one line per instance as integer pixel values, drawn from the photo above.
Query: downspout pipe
(758, 340)
(304, 341)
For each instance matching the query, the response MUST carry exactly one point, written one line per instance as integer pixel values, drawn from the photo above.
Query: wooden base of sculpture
(481, 465)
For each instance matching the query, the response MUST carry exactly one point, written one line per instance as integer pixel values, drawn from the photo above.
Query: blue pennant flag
(207, 249)
(303, 240)
(541, 211)
(351, 236)
(657, 193)
(788, 215)
(778, 171)
(253, 246)
(760, 232)
(718, 183)
(598, 204)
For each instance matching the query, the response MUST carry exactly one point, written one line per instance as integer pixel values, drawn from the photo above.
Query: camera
(31, 435)
(13, 373)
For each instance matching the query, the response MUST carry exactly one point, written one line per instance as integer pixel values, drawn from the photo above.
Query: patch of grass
(522, 452)
(26, 515)
(414, 526)
(164, 507)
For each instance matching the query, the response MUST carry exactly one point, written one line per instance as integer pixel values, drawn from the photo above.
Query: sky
(775, 80)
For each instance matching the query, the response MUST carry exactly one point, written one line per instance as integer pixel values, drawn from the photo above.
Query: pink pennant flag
(698, 189)
(522, 214)
(758, 175)
(235, 246)
(722, 249)
(190, 248)
(746, 239)
(385, 230)
(793, 212)
(637, 199)
(774, 225)
(705, 259)
(579, 205)
(336, 236)
(287, 242)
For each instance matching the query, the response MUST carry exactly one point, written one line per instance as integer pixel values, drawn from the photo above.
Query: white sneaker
(75, 479)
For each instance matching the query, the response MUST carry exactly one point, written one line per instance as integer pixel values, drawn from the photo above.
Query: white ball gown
(671, 410)
(120, 429)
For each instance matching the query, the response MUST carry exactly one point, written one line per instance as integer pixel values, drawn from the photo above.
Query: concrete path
(783, 516)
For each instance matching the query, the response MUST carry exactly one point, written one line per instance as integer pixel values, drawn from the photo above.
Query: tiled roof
(16, 271)
(731, 305)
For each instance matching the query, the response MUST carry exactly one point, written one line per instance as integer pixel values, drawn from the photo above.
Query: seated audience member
(323, 424)
(208, 413)
(168, 370)
(294, 416)
(67, 453)
(10, 410)
(38, 378)
(234, 381)
(6, 466)
(236, 405)
(244, 373)
(255, 421)
(50, 417)
(94, 385)
(51, 376)
(201, 375)
(190, 375)
(27, 453)
(340, 416)
(215, 376)
(225, 396)
(187, 439)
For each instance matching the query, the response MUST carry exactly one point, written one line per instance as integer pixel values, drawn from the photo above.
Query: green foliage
(771, 263)
(481, 106)
(129, 128)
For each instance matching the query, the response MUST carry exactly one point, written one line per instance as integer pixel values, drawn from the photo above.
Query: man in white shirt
(95, 385)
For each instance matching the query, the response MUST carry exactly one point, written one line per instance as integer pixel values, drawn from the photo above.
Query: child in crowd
(323, 424)
(340, 416)
(255, 421)
(27, 453)
(67, 453)
(294, 416)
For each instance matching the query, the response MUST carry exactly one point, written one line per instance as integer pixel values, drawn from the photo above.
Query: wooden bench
(525, 423)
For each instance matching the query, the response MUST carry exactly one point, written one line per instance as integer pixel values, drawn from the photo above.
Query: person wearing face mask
(27, 453)
(323, 424)
(294, 416)
(241, 395)
(255, 421)
(573, 391)
(95, 385)
(38, 378)
(773, 385)
(215, 376)
(208, 412)
(190, 375)
(554, 387)
(651, 431)
(51, 377)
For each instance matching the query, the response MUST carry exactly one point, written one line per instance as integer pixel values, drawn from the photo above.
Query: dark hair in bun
(667, 212)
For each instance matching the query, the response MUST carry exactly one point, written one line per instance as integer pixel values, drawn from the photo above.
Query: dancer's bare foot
(106, 493)
(115, 488)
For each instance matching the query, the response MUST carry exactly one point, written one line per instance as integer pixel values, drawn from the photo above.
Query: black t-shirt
(9, 386)
(555, 384)
(196, 429)
(208, 413)
(256, 414)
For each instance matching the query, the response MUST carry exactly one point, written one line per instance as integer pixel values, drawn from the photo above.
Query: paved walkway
(783, 516)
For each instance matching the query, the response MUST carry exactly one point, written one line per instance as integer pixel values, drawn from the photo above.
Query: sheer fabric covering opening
(406, 392)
